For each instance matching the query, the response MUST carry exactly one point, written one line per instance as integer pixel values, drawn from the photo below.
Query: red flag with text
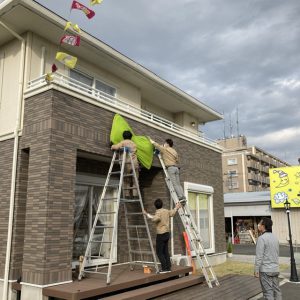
(88, 12)
(73, 40)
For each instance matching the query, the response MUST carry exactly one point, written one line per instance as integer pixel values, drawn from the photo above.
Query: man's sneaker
(164, 271)
(182, 201)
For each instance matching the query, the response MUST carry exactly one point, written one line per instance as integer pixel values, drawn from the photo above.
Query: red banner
(89, 13)
(73, 40)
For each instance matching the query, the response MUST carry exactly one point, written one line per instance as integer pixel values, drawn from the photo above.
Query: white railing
(84, 89)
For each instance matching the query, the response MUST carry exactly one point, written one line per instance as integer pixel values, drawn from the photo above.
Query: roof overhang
(28, 15)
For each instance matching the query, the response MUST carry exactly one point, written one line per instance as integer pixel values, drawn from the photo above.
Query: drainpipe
(15, 158)
(42, 68)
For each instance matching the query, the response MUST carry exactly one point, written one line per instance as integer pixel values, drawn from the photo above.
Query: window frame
(234, 174)
(94, 79)
(231, 164)
(207, 190)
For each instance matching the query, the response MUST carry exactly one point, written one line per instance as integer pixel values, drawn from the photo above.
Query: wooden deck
(122, 280)
(232, 287)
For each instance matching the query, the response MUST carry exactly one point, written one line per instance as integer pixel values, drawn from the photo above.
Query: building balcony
(252, 165)
(253, 177)
(85, 92)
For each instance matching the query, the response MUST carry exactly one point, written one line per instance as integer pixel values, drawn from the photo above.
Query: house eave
(36, 18)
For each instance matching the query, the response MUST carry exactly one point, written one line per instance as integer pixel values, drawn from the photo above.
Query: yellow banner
(285, 185)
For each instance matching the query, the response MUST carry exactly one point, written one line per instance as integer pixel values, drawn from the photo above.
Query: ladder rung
(136, 226)
(141, 252)
(130, 188)
(103, 226)
(105, 242)
(113, 198)
(120, 160)
(95, 272)
(134, 213)
(129, 200)
(115, 172)
(113, 185)
(106, 213)
(138, 239)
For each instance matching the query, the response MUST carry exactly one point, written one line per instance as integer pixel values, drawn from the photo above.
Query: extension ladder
(192, 232)
(136, 225)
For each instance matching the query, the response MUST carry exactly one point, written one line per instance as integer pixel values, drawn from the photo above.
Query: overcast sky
(229, 54)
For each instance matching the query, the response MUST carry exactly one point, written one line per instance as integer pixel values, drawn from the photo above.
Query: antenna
(230, 126)
(224, 124)
(237, 121)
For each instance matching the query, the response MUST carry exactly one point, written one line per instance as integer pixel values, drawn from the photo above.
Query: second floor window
(103, 87)
(81, 78)
(231, 161)
(88, 82)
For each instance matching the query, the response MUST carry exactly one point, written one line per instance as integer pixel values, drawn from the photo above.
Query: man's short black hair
(268, 223)
(158, 204)
(169, 142)
(127, 135)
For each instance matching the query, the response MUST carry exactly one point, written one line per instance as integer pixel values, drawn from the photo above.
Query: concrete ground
(290, 290)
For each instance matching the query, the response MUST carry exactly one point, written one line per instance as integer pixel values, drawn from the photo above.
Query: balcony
(117, 105)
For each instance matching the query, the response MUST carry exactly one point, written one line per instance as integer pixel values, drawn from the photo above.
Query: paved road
(250, 250)
(290, 291)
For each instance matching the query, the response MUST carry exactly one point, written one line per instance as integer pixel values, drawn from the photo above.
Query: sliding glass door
(86, 202)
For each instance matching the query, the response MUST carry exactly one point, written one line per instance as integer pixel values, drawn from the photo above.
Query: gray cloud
(227, 53)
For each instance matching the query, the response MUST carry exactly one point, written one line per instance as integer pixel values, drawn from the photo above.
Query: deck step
(159, 289)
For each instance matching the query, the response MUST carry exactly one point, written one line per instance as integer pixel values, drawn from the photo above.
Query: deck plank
(158, 289)
(239, 287)
(122, 278)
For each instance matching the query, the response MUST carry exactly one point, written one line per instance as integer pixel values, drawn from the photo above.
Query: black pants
(162, 250)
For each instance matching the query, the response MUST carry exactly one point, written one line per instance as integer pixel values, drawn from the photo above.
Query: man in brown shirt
(171, 161)
(162, 221)
(128, 181)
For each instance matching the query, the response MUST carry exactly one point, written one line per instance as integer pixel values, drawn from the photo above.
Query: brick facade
(6, 158)
(56, 126)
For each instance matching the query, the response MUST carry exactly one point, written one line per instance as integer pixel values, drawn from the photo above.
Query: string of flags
(72, 39)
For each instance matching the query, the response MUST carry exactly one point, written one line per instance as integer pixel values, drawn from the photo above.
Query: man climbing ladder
(171, 161)
(191, 230)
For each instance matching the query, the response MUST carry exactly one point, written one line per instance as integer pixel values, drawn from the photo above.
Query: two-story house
(55, 153)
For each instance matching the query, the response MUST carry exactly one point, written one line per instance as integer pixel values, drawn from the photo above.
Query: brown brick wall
(19, 214)
(56, 126)
(6, 157)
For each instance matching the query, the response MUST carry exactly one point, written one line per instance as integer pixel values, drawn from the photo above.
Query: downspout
(15, 158)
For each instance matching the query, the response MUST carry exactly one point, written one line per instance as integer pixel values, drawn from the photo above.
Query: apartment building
(55, 148)
(246, 168)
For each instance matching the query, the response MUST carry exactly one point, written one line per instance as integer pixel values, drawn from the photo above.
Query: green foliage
(229, 247)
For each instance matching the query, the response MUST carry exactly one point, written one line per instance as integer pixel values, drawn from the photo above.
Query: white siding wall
(280, 224)
(9, 76)
(125, 91)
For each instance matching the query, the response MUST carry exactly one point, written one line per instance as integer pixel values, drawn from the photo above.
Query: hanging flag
(49, 78)
(88, 12)
(94, 2)
(73, 26)
(53, 68)
(67, 59)
(73, 40)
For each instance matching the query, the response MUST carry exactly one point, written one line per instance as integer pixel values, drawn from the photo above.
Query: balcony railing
(101, 97)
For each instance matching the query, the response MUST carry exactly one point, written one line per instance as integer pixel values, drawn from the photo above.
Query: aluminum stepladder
(190, 227)
(133, 209)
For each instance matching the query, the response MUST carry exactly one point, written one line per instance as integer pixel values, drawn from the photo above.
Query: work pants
(162, 250)
(270, 285)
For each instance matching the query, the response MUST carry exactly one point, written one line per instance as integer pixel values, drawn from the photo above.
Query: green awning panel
(119, 125)
(144, 147)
